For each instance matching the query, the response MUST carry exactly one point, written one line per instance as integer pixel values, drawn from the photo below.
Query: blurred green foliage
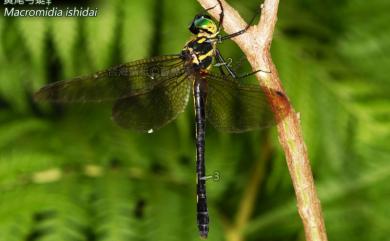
(68, 173)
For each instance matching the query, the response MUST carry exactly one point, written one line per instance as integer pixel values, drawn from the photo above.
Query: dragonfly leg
(229, 36)
(221, 16)
(220, 64)
(251, 73)
(221, 70)
(223, 63)
(232, 73)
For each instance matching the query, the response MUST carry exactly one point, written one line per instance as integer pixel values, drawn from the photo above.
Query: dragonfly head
(203, 24)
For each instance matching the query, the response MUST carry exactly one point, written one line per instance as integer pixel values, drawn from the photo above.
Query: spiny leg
(207, 9)
(232, 73)
(229, 36)
(219, 65)
(222, 63)
(221, 16)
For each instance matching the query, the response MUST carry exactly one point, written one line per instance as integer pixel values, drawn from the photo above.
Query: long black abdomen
(200, 93)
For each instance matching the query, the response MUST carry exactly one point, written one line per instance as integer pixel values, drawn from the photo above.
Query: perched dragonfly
(150, 93)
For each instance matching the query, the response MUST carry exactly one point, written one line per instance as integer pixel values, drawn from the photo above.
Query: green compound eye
(204, 23)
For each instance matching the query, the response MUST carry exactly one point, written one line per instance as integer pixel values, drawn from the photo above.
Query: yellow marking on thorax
(201, 40)
(210, 53)
(207, 35)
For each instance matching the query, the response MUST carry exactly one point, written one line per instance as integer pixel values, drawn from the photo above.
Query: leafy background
(68, 173)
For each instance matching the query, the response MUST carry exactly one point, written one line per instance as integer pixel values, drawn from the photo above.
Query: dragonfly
(148, 94)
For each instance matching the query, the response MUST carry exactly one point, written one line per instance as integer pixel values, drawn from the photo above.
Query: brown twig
(255, 44)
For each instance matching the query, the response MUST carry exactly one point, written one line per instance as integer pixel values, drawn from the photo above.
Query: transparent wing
(235, 107)
(121, 81)
(152, 110)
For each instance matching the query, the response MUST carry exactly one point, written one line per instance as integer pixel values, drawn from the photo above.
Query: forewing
(121, 81)
(152, 110)
(235, 107)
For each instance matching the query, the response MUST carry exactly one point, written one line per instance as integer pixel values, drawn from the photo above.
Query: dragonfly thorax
(199, 53)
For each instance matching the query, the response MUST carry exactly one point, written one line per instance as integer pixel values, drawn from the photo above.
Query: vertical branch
(256, 43)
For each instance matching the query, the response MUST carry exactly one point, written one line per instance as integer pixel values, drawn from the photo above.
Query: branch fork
(256, 43)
